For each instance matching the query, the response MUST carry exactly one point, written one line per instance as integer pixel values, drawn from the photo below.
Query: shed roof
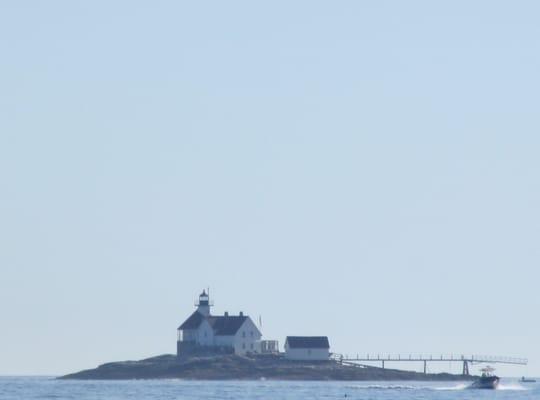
(308, 342)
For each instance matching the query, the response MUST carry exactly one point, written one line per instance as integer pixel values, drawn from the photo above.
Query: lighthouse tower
(203, 306)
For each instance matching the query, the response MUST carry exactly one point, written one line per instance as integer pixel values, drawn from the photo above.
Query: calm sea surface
(48, 388)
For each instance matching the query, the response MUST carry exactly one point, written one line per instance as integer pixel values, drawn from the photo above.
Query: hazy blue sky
(363, 170)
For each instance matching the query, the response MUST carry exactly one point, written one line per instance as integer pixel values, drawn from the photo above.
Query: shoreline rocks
(233, 367)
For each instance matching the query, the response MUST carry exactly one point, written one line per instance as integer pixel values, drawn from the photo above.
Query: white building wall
(307, 354)
(248, 338)
(205, 334)
(189, 335)
(227, 341)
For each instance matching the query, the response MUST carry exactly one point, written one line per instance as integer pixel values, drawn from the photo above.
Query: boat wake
(511, 386)
(405, 387)
(508, 386)
(387, 387)
(461, 386)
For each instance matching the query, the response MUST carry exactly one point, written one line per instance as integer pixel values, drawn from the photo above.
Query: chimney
(226, 313)
(241, 313)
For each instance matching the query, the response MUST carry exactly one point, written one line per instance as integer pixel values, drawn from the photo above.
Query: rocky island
(221, 347)
(249, 367)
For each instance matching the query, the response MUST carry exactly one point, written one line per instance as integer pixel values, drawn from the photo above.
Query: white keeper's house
(315, 348)
(203, 333)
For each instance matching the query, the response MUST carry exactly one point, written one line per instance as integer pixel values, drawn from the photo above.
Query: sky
(365, 170)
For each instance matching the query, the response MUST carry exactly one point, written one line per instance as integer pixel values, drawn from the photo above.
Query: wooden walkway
(466, 360)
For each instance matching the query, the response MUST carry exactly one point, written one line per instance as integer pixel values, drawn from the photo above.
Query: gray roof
(226, 325)
(193, 321)
(221, 325)
(308, 342)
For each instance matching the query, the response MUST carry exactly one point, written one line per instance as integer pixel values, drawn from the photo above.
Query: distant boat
(527, 380)
(487, 380)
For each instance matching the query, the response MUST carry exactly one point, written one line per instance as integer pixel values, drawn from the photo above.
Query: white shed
(308, 348)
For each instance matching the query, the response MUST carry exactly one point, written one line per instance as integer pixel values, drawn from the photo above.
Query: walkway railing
(430, 357)
(465, 359)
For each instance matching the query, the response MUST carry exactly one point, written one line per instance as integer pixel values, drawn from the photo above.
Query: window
(251, 333)
(243, 345)
(251, 346)
(244, 334)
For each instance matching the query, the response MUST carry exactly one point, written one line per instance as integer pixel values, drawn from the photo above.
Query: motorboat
(487, 380)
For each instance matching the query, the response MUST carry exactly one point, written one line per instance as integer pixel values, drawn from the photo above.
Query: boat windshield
(487, 371)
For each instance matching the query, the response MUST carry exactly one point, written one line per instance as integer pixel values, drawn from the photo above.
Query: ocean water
(18, 388)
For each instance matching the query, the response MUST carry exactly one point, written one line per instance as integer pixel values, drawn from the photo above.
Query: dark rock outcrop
(248, 368)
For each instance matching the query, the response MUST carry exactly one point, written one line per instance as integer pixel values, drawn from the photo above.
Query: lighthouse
(203, 306)
(203, 333)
